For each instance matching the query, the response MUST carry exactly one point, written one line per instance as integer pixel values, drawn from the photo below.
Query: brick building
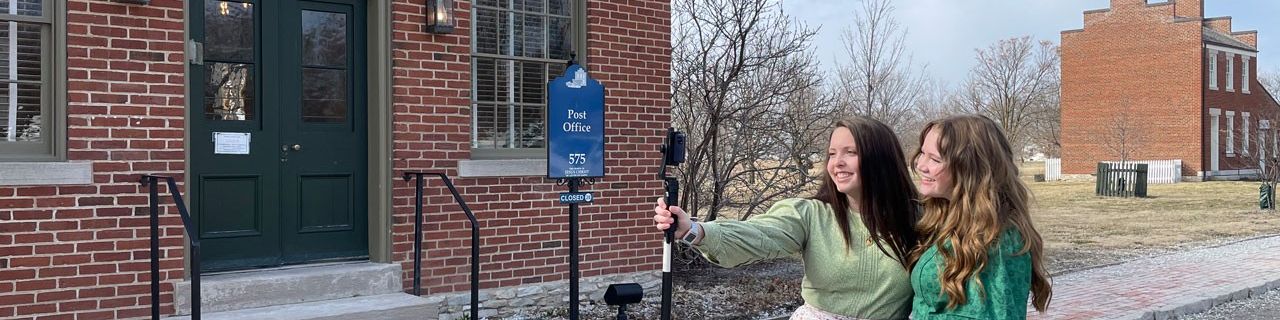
(1188, 85)
(335, 98)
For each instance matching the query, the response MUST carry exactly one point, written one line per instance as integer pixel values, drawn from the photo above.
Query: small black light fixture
(440, 19)
(622, 294)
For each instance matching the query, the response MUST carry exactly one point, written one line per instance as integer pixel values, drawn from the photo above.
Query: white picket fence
(1052, 169)
(1158, 171)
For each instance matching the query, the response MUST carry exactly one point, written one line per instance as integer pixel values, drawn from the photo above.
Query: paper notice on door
(230, 143)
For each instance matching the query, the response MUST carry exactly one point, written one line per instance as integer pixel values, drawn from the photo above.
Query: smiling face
(935, 178)
(842, 161)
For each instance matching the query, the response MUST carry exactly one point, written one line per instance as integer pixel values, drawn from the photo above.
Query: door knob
(297, 147)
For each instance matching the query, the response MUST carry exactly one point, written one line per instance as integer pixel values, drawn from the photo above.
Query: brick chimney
(1188, 8)
(1222, 24)
(1125, 5)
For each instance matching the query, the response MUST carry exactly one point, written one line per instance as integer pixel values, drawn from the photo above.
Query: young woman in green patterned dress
(980, 256)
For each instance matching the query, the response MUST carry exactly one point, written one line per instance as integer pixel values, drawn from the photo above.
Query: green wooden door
(278, 140)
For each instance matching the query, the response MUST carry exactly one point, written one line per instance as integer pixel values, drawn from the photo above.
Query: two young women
(872, 251)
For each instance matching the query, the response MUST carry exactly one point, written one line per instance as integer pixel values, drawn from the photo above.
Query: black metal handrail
(192, 240)
(417, 238)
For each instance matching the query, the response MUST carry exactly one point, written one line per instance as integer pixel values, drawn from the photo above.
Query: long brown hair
(987, 197)
(887, 200)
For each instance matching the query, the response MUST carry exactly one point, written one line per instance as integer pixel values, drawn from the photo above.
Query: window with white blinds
(27, 59)
(517, 46)
(24, 34)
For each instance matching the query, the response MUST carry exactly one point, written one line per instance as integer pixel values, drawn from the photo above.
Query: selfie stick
(672, 155)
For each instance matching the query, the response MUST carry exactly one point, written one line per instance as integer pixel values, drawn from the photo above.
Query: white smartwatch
(695, 231)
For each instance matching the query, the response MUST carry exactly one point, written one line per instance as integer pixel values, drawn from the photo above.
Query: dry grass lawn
(1081, 229)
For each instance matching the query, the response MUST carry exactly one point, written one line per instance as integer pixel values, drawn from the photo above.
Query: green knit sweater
(860, 281)
(1006, 284)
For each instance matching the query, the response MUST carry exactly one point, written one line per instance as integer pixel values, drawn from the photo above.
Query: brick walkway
(1167, 286)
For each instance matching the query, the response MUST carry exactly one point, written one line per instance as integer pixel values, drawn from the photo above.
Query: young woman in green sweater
(980, 256)
(854, 236)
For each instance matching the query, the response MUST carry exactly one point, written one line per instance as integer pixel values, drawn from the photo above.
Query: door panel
(289, 73)
(328, 205)
(324, 126)
(227, 213)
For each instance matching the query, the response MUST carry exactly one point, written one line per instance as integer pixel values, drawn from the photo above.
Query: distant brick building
(1188, 82)
(335, 99)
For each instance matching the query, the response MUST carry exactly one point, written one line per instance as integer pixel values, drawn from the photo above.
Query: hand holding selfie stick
(673, 153)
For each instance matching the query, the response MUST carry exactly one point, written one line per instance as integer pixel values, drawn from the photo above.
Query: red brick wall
(525, 231)
(1135, 54)
(1189, 8)
(81, 252)
(1220, 24)
(1249, 37)
(1257, 102)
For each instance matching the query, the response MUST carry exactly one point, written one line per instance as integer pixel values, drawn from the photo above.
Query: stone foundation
(510, 301)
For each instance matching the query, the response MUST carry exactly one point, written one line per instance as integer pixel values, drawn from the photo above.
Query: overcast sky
(944, 33)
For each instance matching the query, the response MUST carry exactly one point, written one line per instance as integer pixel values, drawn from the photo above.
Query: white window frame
(1264, 128)
(52, 144)
(1213, 70)
(1231, 133)
(578, 16)
(1231, 72)
(40, 164)
(1245, 72)
(1215, 138)
(1244, 145)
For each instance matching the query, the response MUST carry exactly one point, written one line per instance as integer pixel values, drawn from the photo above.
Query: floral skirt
(808, 312)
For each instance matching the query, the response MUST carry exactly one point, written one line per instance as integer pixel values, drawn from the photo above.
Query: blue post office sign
(575, 126)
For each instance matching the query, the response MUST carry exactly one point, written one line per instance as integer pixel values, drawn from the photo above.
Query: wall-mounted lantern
(440, 17)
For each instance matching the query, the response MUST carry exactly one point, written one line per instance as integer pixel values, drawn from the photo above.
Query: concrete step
(289, 285)
(395, 306)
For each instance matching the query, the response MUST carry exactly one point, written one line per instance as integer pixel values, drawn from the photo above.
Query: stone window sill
(45, 173)
(502, 168)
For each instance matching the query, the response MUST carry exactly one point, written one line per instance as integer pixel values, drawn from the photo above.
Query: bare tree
(1271, 81)
(737, 66)
(879, 80)
(1046, 133)
(1260, 147)
(793, 138)
(1015, 83)
(1123, 135)
(935, 102)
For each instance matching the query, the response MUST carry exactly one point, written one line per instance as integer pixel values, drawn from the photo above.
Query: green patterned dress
(1006, 284)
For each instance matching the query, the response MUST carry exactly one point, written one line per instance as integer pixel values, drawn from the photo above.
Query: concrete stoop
(393, 306)
(325, 291)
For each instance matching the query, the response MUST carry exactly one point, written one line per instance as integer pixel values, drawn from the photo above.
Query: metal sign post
(575, 150)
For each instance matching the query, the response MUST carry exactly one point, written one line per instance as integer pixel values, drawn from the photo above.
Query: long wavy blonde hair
(987, 198)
